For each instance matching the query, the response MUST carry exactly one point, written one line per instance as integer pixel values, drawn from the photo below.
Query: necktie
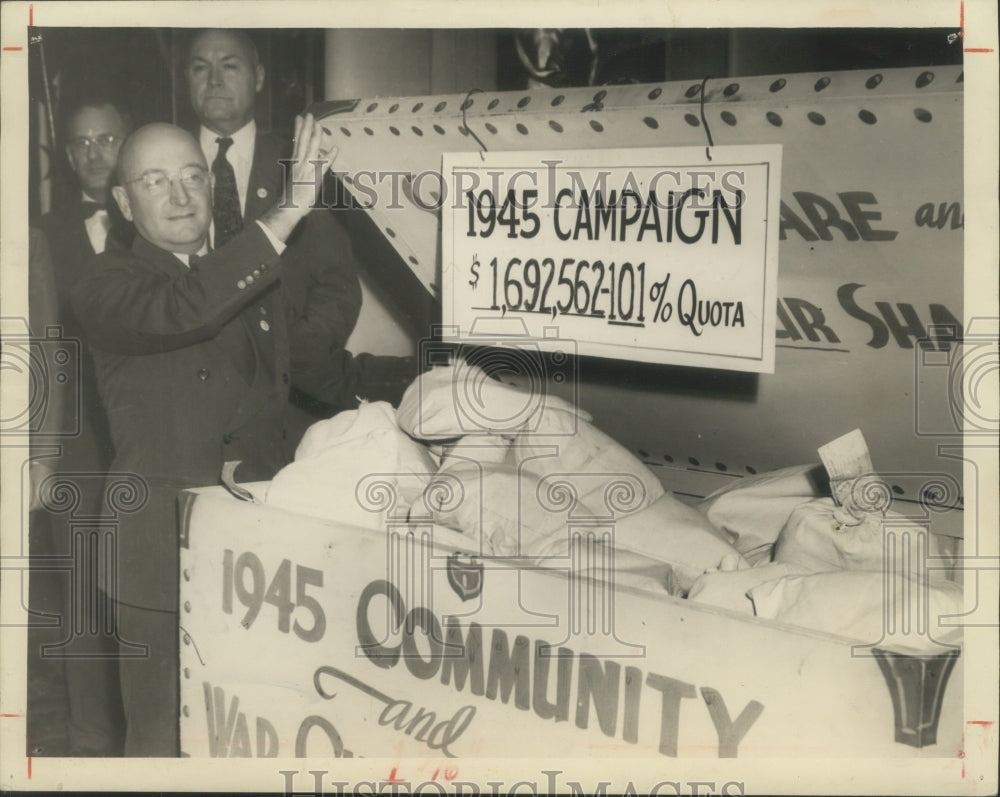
(226, 213)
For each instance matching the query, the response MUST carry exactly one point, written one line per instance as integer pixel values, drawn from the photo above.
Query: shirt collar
(243, 141)
(186, 259)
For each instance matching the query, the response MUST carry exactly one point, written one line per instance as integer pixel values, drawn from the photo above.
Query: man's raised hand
(304, 177)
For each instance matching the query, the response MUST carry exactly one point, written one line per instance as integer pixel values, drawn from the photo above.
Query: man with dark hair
(94, 127)
(319, 276)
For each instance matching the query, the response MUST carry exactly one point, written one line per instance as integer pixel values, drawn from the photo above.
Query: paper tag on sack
(847, 460)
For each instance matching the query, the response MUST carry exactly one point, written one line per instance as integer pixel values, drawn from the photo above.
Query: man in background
(319, 274)
(94, 127)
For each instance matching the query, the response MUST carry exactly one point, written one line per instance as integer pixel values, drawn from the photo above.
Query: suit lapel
(81, 239)
(266, 174)
(70, 245)
(264, 188)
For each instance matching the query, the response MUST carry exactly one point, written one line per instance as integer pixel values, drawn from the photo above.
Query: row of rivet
(923, 79)
(774, 118)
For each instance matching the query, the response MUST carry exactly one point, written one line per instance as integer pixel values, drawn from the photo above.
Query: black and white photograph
(441, 400)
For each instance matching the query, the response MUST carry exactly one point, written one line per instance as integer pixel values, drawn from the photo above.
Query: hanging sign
(660, 255)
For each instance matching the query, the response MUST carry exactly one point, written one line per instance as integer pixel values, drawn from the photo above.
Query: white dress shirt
(186, 258)
(97, 227)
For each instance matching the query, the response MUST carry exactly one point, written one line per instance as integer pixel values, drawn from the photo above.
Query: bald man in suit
(191, 345)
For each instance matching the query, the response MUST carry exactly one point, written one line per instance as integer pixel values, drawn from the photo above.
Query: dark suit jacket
(43, 312)
(322, 299)
(194, 370)
(318, 268)
(71, 250)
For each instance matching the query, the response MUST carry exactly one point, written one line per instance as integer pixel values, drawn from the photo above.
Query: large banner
(868, 311)
(301, 637)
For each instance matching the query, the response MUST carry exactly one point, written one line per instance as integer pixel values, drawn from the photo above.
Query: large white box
(304, 637)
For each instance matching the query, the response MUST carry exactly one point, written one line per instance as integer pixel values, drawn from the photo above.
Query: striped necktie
(226, 208)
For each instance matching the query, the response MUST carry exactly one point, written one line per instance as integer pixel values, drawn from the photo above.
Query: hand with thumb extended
(304, 175)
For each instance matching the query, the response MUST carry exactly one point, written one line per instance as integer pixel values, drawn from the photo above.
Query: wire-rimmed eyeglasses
(105, 142)
(157, 183)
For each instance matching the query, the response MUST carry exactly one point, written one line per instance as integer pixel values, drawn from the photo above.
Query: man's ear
(121, 197)
(260, 77)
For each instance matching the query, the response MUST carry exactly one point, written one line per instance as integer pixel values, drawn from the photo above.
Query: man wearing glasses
(94, 128)
(191, 345)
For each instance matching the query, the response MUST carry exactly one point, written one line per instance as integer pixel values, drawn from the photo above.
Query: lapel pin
(261, 193)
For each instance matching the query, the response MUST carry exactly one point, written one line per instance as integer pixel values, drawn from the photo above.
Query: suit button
(256, 272)
(263, 310)
(203, 374)
(263, 266)
(249, 279)
(264, 325)
(241, 284)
